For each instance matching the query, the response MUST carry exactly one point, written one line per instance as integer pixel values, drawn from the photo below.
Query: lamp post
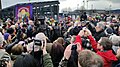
(92, 7)
(84, 3)
(110, 7)
(87, 4)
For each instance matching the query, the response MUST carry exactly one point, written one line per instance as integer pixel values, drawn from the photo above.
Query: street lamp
(84, 3)
(92, 7)
(87, 4)
(110, 6)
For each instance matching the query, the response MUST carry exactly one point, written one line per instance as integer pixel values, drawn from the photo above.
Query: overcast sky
(97, 4)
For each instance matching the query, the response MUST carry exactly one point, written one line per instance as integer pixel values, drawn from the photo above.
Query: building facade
(48, 8)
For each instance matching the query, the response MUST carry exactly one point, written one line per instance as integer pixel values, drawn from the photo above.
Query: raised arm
(92, 40)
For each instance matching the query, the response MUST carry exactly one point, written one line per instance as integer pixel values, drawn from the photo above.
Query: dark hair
(106, 43)
(10, 30)
(25, 61)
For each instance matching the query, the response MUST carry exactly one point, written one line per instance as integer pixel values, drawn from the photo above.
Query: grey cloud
(93, 0)
(113, 1)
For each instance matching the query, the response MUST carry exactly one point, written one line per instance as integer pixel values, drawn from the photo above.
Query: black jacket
(99, 34)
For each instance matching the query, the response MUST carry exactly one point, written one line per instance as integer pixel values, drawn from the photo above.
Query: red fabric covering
(78, 40)
(107, 56)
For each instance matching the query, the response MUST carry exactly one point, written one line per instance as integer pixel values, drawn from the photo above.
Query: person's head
(88, 58)
(114, 20)
(14, 28)
(84, 12)
(25, 61)
(24, 26)
(30, 22)
(7, 36)
(17, 49)
(10, 30)
(115, 40)
(60, 40)
(83, 23)
(100, 26)
(104, 44)
(108, 31)
(40, 37)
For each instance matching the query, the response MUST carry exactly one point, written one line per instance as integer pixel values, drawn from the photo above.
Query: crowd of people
(87, 41)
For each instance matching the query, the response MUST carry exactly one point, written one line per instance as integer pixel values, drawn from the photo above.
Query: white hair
(101, 25)
(115, 39)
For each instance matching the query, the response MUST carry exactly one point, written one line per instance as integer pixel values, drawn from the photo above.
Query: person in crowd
(25, 61)
(17, 49)
(39, 52)
(102, 48)
(105, 42)
(24, 28)
(57, 51)
(66, 60)
(83, 16)
(12, 32)
(88, 58)
(99, 31)
(115, 42)
(7, 38)
(5, 59)
(109, 32)
(30, 28)
(116, 47)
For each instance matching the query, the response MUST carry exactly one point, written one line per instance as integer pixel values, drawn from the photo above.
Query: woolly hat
(6, 35)
(108, 31)
(40, 36)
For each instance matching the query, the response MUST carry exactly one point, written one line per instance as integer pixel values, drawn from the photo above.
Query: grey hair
(115, 40)
(101, 25)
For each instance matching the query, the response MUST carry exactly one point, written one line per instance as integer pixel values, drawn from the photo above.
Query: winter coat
(99, 34)
(56, 53)
(107, 56)
(47, 61)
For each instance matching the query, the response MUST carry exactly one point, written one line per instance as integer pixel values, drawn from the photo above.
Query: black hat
(109, 31)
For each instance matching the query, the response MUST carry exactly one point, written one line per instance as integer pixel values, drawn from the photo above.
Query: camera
(3, 60)
(38, 42)
(74, 47)
(86, 43)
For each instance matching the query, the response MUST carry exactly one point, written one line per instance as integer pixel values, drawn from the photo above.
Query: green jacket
(47, 62)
